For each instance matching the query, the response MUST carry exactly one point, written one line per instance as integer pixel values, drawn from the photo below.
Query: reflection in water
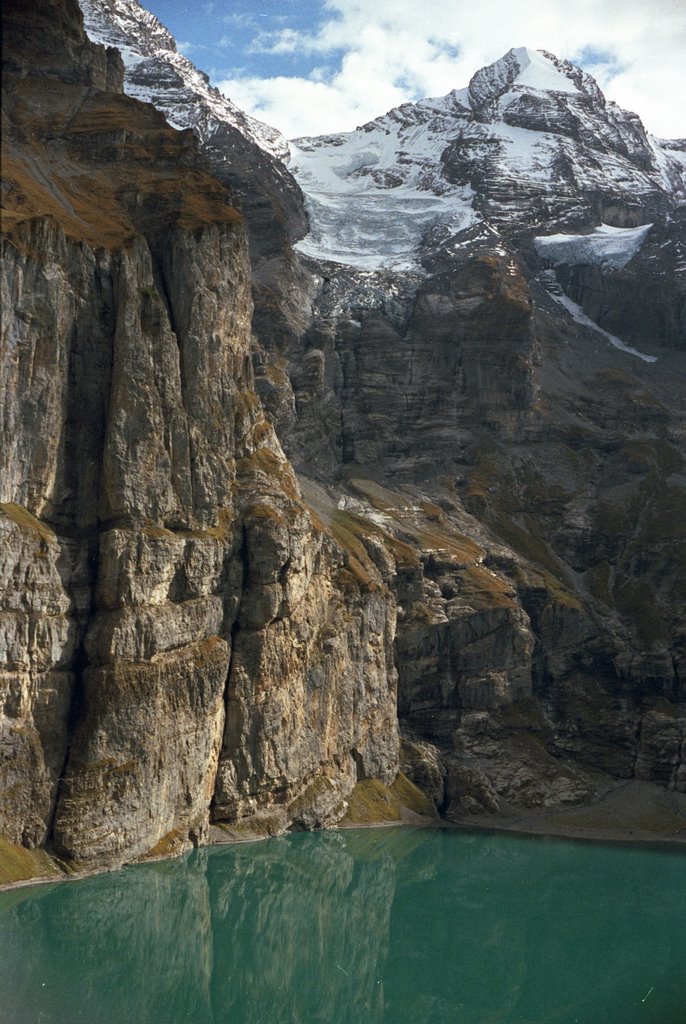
(123, 948)
(393, 926)
(301, 931)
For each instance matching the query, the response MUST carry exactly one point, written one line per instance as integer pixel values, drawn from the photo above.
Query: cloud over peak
(365, 58)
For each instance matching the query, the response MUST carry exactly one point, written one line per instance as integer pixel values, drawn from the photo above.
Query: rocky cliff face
(264, 504)
(178, 632)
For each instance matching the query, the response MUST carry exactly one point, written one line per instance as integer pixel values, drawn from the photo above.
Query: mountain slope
(529, 147)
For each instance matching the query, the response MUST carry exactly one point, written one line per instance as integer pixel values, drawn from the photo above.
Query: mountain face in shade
(328, 456)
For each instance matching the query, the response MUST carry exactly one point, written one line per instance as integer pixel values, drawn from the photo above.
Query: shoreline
(600, 838)
(623, 816)
(604, 837)
(630, 812)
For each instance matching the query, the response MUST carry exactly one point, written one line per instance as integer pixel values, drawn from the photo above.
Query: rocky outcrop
(179, 633)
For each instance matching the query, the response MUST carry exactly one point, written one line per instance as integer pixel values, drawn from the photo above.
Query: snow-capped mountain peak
(531, 143)
(520, 69)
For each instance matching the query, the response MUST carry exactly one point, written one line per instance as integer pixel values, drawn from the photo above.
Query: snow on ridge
(372, 194)
(580, 317)
(388, 174)
(124, 22)
(142, 39)
(605, 245)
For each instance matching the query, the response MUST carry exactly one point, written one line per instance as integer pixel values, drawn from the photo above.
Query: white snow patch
(538, 72)
(580, 317)
(371, 194)
(607, 246)
(130, 57)
(379, 518)
(670, 158)
(526, 155)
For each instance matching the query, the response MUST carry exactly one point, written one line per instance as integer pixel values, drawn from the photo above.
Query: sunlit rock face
(397, 445)
(176, 625)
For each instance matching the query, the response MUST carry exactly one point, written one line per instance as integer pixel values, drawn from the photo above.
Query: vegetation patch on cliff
(373, 803)
(80, 134)
(26, 521)
(17, 864)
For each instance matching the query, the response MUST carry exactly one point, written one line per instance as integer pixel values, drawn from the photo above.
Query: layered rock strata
(178, 631)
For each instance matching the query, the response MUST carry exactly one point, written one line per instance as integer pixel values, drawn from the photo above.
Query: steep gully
(486, 517)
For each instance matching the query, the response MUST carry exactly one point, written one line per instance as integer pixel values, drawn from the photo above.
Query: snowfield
(606, 246)
(368, 204)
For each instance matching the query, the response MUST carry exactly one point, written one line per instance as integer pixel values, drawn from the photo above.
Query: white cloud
(188, 49)
(379, 53)
(286, 40)
(238, 20)
(302, 106)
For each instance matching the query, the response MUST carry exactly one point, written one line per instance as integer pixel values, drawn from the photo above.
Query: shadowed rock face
(479, 411)
(254, 511)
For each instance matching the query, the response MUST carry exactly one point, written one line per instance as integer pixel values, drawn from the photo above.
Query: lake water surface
(377, 926)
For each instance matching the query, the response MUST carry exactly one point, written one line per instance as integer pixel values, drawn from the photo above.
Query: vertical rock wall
(171, 619)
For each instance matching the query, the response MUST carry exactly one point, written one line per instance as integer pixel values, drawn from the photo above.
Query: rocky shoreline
(629, 814)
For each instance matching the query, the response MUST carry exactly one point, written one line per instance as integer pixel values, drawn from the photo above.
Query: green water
(400, 926)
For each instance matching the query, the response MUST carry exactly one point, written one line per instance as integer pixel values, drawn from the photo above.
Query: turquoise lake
(376, 926)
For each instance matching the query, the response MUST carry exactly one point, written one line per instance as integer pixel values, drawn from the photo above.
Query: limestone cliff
(179, 634)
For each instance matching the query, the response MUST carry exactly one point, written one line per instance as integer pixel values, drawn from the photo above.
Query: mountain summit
(531, 144)
(524, 70)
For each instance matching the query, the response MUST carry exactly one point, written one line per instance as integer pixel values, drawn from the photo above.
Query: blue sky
(224, 38)
(310, 66)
